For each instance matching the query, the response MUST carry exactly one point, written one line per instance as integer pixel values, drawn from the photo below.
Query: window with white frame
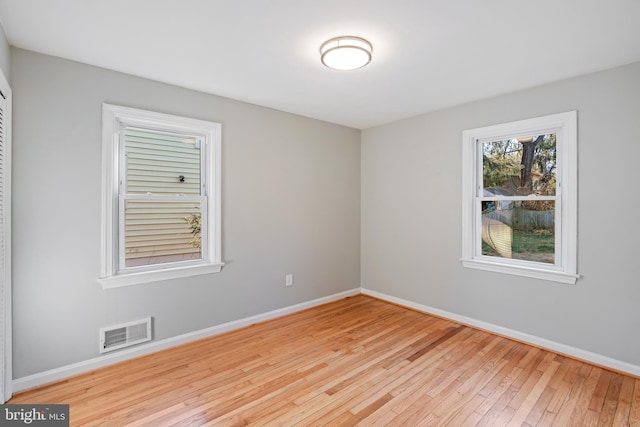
(161, 197)
(520, 198)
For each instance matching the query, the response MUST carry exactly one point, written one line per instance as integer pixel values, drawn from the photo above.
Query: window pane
(158, 232)
(161, 163)
(520, 166)
(523, 230)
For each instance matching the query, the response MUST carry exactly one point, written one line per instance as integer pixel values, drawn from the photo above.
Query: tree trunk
(528, 152)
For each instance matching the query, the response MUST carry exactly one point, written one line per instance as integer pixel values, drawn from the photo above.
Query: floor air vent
(125, 335)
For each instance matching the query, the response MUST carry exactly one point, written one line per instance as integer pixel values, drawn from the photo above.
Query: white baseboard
(577, 353)
(63, 372)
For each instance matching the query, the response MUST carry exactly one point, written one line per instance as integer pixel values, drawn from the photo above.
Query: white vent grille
(125, 335)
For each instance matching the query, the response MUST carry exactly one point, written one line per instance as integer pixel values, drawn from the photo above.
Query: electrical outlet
(288, 280)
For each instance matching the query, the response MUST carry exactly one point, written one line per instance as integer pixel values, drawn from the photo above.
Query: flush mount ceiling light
(346, 53)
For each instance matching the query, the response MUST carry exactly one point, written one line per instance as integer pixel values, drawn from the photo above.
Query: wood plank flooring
(358, 361)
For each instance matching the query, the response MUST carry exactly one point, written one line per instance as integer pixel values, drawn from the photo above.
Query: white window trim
(565, 127)
(113, 117)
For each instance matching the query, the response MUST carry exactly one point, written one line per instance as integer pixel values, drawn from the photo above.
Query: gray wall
(5, 55)
(411, 217)
(291, 204)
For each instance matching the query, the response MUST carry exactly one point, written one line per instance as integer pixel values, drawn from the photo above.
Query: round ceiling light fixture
(346, 53)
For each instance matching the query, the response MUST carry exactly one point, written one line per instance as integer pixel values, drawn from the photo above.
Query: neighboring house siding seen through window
(161, 193)
(161, 196)
(519, 198)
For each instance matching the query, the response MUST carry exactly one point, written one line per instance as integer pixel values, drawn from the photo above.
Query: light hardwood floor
(358, 361)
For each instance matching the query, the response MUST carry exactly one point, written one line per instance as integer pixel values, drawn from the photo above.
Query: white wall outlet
(288, 280)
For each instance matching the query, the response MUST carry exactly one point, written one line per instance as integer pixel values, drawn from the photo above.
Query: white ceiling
(428, 54)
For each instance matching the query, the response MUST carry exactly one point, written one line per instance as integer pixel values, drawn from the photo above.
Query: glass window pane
(161, 162)
(523, 230)
(158, 232)
(519, 167)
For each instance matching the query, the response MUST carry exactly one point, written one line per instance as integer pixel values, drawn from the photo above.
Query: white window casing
(564, 269)
(115, 195)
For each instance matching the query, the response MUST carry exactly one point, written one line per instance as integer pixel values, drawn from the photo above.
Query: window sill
(131, 279)
(536, 273)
